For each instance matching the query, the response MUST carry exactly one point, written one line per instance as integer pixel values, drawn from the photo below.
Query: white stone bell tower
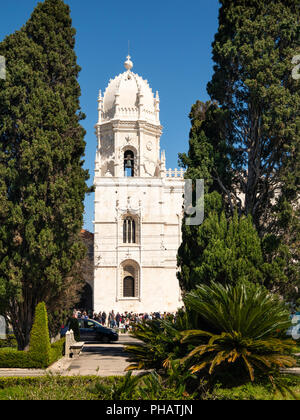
(138, 203)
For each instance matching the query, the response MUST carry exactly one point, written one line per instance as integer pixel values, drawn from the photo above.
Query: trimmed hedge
(11, 358)
(57, 350)
(10, 342)
(41, 354)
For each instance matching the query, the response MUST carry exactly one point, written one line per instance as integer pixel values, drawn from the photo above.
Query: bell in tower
(129, 163)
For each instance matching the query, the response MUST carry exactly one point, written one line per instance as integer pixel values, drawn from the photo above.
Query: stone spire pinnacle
(128, 63)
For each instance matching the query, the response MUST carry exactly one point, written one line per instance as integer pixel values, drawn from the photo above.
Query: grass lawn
(50, 388)
(79, 388)
(260, 391)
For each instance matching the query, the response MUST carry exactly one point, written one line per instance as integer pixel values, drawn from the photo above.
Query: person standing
(118, 318)
(111, 319)
(103, 317)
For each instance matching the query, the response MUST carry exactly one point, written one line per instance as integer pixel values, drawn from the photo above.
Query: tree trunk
(21, 316)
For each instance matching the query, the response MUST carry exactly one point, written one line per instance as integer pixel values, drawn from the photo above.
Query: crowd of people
(124, 320)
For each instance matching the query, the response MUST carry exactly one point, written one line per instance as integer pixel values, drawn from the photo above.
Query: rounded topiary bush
(39, 347)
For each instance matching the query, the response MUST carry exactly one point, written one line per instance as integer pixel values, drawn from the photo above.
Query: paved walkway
(5, 373)
(95, 359)
(99, 359)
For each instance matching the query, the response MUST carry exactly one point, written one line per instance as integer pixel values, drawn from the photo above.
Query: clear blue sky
(170, 47)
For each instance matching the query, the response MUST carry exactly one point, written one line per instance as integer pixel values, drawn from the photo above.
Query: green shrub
(241, 334)
(11, 358)
(159, 342)
(259, 391)
(54, 387)
(10, 341)
(57, 350)
(149, 386)
(41, 354)
(39, 347)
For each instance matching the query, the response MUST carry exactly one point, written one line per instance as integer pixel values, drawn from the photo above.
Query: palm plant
(124, 388)
(159, 343)
(156, 342)
(244, 328)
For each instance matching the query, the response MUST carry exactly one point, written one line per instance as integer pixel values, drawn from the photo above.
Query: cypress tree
(246, 143)
(253, 52)
(42, 180)
(253, 83)
(225, 250)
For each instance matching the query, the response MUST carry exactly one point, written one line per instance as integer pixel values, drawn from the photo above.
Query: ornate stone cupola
(128, 121)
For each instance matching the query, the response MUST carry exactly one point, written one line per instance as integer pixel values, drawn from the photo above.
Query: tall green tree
(42, 180)
(253, 84)
(253, 51)
(245, 142)
(224, 250)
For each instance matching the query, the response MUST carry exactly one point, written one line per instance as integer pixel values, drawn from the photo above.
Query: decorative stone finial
(128, 63)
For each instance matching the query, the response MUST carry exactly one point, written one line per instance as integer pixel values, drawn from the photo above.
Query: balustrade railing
(170, 173)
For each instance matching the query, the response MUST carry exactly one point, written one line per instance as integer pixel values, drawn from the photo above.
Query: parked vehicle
(91, 330)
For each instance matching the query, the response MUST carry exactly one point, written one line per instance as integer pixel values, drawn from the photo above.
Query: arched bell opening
(129, 163)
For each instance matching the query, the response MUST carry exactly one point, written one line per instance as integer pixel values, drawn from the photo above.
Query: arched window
(129, 163)
(128, 287)
(129, 231)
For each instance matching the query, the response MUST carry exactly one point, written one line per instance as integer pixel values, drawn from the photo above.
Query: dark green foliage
(82, 388)
(58, 317)
(258, 391)
(224, 250)
(11, 358)
(159, 343)
(253, 84)
(42, 180)
(122, 390)
(160, 348)
(231, 335)
(39, 347)
(208, 155)
(10, 342)
(74, 325)
(54, 387)
(245, 142)
(243, 332)
(149, 386)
